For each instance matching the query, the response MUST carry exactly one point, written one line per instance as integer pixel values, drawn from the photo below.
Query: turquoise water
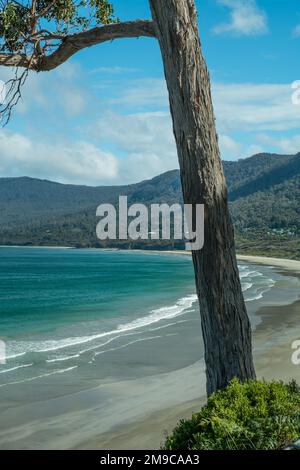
(43, 289)
(90, 311)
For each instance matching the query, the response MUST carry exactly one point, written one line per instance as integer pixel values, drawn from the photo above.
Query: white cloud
(229, 146)
(253, 150)
(115, 70)
(255, 107)
(61, 91)
(73, 101)
(128, 147)
(69, 70)
(245, 18)
(247, 108)
(238, 106)
(231, 149)
(286, 145)
(296, 31)
(148, 91)
(146, 139)
(79, 162)
(137, 132)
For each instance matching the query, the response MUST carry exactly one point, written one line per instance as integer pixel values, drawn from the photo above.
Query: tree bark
(225, 324)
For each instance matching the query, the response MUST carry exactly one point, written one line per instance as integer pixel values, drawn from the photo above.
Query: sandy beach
(272, 340)
(137, 411)
(288, 264)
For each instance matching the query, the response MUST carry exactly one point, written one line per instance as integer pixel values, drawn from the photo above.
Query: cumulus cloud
(296, 31)
(245, 18)
(146, 138)
(255, 107)
(145, 141)
(238, 106)
(247, 108)
(114, 70)
(60, 92)
(232, 149)
(79, 162)
(286, 145)
(116, 145)
(229, 145)
(138, 132)
(145, 92)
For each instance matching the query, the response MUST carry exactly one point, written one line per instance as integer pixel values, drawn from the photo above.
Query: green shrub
(251, 415)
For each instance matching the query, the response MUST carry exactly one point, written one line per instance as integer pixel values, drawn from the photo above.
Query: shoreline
(263, 260)
(283, 263)
(135, 411)
(272, 357)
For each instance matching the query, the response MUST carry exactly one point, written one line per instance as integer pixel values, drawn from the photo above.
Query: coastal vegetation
(255, 415)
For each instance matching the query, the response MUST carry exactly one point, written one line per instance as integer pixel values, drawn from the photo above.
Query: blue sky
(103, 117)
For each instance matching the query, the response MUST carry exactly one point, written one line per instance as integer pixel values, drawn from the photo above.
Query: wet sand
(272, 339)
(151, 406)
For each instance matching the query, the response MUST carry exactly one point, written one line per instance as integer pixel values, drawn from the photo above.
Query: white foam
(250, 274)
(15, 368)
(103, 344)
(30, 379)
(140, 340)
(167, 325)
(13, 356)
(63, 358)
(246, 286)
(162, 313)
(180, 307)
(260, 291)
(256, 287)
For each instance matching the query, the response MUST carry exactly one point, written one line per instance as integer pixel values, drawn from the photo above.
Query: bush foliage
(251, 415)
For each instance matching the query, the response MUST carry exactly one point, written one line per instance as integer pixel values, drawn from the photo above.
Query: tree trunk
(225, 324)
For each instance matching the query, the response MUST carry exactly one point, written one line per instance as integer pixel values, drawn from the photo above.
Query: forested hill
(24, 199)
(264, 192)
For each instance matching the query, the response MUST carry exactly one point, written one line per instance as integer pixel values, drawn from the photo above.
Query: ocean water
(72, 319)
